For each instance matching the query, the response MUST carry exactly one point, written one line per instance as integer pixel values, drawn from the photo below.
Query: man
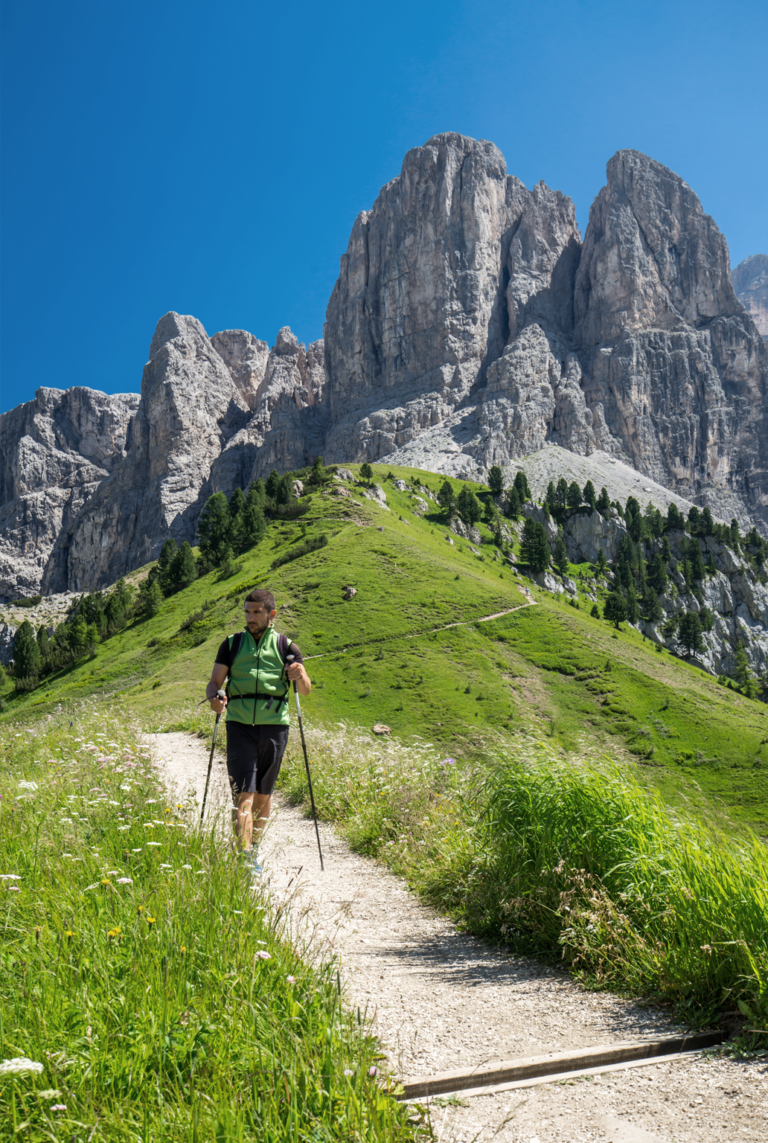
(257, 712)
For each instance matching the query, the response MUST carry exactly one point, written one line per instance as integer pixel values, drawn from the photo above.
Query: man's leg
(244, 820)
(262, 805)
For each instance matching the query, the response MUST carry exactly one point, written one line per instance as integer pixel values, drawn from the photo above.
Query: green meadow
(381, 657)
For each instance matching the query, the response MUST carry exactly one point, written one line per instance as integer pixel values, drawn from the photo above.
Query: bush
(28, 601)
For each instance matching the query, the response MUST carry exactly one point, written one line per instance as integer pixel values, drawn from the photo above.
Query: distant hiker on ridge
(257, 712)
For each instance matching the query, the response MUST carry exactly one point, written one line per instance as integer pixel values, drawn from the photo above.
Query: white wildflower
(157, 843)
(19, 1066)
(27, 785)
(125, 881)
(150, 802)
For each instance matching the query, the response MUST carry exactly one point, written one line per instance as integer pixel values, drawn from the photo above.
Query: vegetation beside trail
(156, 989)
(569, 858)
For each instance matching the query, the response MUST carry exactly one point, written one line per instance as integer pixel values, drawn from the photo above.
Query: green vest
(257, 674)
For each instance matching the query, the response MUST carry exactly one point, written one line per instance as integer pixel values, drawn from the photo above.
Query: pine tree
(114, 613)
(495, 480)
(595, 612)
(253, 523)
(675, 521)
(213, 527)
(652, 609)
(550, 497)
(697, 561)
(589, 496)
(615, 609)
(317, 475)
(366, 472)
(270, 488)
(734, 533)
(534, 546)
(257, 493)
(561, 492)
(184, 569)
(742, 672)
(560, 556)
(573, 497)
(707, 523)
(601, 563)
(469, 506)
(694, 519)
(26, 653)
(153, 599)
(521, 484)
(711, 569)
(446, 498)
(689, 633)
(633, 611)
(512, 506)
(164, 561)
(603, 501)
(666, 551)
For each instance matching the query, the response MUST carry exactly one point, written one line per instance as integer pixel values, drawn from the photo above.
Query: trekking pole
(219, 694)
(306, 763)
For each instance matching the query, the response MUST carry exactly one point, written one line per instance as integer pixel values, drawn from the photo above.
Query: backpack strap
(234, 649)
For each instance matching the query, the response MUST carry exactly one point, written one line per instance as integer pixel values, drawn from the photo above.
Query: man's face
(258, 618)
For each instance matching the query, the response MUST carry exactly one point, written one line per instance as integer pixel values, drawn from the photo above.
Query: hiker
(257, 712)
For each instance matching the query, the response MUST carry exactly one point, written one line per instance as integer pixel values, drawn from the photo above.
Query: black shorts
(254, 754)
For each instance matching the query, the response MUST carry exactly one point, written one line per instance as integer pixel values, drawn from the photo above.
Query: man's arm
(216, 683)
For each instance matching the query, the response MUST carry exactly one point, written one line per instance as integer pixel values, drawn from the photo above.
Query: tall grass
(572, 857)
(152, 984)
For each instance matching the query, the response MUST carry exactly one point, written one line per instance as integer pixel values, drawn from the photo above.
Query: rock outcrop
(750, 281)
(55, 451)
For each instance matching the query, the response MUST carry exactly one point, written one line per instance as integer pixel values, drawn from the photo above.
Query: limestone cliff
(54, 453)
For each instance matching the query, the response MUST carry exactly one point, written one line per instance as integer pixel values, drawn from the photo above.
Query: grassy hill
(415, 649)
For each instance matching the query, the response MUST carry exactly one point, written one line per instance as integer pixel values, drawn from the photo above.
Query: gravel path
(441, 1000)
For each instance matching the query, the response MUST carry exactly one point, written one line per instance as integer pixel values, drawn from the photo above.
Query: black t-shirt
(222, 655)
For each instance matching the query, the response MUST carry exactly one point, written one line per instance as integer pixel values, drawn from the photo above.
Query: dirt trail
(431, 631)
(441, 1000)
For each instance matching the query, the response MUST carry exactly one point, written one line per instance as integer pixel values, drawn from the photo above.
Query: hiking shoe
(251, 862)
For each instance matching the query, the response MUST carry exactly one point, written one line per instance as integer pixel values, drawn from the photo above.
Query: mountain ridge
(470, 325)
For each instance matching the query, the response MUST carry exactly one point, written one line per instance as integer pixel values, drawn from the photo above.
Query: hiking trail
(441, 1000)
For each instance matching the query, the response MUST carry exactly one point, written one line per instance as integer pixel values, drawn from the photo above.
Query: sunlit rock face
(750, 281)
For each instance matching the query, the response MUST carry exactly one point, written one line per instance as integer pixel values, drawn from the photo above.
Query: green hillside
(389, 655)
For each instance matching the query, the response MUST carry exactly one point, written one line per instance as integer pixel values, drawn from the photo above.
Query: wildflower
(10, 877)
(347, 1071)
(168, 811)
(19, 1066)
(27, 785)
(112, 872)
(150, 920)
(292, 980)
(38, 932)
(105, 881)
(49, 1093)
(14, 889)
(58, 1107)
(186, 867)
(263, 954)
(94, 886)
(65, 821)
(150, 801)
(158, 843)
(373, 1071)
(125, 787)
(117, 932)
(140, 909)
(125, 881)
(164, 865)
(706, 948)
(137, 850)
(121, 829)
(183, 948)
(69, 933)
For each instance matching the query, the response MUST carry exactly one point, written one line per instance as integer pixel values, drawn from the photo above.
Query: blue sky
(212, 158)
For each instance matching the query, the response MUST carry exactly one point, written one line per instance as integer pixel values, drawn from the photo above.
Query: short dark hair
(261, 595)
